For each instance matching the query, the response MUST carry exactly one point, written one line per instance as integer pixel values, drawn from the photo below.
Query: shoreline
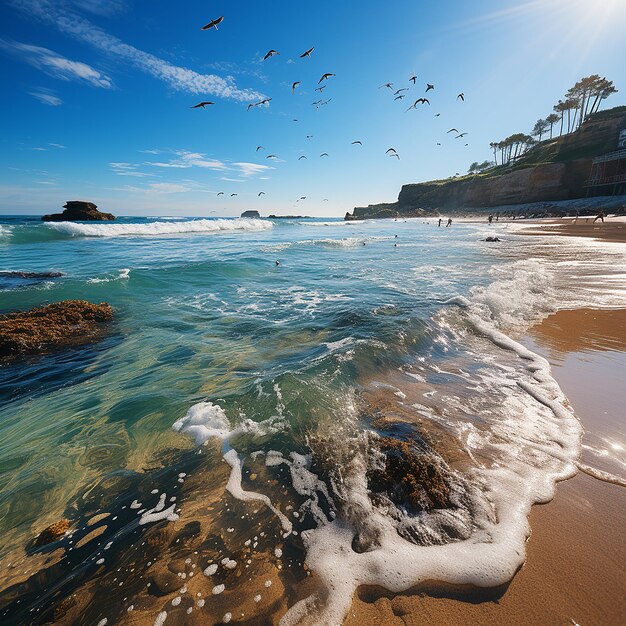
(573, 569)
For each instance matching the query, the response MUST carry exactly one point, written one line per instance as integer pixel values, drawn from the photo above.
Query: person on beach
(490, 219)
(439, 222)
(600, 216)
(449, 222)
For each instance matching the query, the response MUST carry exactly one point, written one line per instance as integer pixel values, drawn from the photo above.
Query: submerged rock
(69, 322)
(77, 211)
(53, 532)
(492, 239)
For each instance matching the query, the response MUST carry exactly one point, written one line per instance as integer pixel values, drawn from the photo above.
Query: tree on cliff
(552, 119)
(588, 93)
(541, 126)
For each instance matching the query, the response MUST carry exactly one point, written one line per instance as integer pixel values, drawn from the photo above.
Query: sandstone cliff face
(554, 170)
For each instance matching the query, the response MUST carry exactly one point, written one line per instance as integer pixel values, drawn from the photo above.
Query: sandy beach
(612, 229)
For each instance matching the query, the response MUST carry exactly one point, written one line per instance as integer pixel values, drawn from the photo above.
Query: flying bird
(259, 148)
(400, 96)
(359, 142)
(213, 23)
(429, 87)
(232, 194)
(307, 53)
(390, 150)
(221, 193)
(395, 154)
(460, 135)
(401, 90)
(324, 154)
(271, 53)
(461, 96)
(325, 77)
(250, 106)
(419, 101)
(413, 79)
(271, 156)
(320, 89)
(388, 85)
(325, 200)
(293, 87)
(264, 101)
(261, 193)
(452, 130)
(437, 114)
(301, 157)
(201, 105)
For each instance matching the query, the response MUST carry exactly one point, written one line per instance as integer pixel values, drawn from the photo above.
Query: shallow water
(307, 365)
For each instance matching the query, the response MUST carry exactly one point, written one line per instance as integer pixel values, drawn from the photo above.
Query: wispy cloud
(186, 159)
(56, 145)
(46, 96)
(250, 169)
(56, 65)
(127, 169)
(176, 77)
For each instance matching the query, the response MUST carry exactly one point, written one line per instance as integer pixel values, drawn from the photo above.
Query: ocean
(310, 403)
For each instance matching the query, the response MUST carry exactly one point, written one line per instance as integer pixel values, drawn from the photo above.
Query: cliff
(553, 170)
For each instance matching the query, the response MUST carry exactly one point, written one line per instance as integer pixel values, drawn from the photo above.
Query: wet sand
(612, 229)
(575, 566)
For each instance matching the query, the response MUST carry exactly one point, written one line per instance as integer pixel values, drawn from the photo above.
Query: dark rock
(69, 322)
(163, 582)
(492, 239)
(53, 532)
(30, 275)
(78, 211)
(254, 214)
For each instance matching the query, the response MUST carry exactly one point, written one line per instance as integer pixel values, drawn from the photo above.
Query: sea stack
(78, 211)
(254, 214)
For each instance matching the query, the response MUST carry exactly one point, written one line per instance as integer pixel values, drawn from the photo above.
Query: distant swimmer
(213, 23)
(277, 262)
(600, 216)
(307, 53)
(201, 105)
(449, 222)
(396, 236)
(439, 222)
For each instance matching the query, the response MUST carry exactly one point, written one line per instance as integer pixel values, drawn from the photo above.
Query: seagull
(359, 142)
(324, 154)
(419, 101)
(452, 130)
(221, 193)
(400, 97)
(320, 89)
(251, 106)
(264, 101)
(325, 102)
(309, 136)
(233, 194)
(460, 135)
(401, 90)
(461, 96)
(413, 79)
(271, 156)
(201, 105)
(307, 53)
(261, 193)
(294, 120)
(395, 155)
(437, 114)
(259, 148)
(303, 198)
(390, 150)
(438, 144)
(302, 157)
(271, 53)
(325, 200)
(213, 23)
(293, 87)
(325, 77)
(429, 87)
(388, 85)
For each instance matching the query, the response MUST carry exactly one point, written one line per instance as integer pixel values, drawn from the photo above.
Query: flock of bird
(398, 95)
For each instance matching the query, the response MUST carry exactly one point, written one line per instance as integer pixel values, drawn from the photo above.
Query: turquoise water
(203, 312)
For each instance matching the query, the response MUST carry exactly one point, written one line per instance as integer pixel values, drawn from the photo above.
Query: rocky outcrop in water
(66, 323)
(79, 211)
(53, 532)
(251, 214)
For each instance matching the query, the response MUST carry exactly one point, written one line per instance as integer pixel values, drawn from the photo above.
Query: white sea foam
(154, 229)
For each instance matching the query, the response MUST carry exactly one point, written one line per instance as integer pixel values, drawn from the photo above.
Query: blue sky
(97, 97)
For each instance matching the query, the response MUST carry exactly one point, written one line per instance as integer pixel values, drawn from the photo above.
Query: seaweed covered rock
(53, 532)
(79, 211)
(65, 323)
